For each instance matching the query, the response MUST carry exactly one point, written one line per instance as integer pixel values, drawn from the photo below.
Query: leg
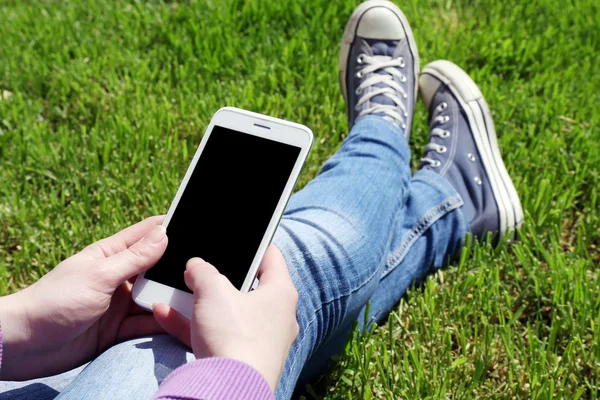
(463, 153)
(131, 370)
(462, 186)
(335, 234)
(427, 231)
(462, 167)
(42, 389)
(424, 239)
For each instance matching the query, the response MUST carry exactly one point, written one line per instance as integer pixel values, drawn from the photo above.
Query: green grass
(109, 100)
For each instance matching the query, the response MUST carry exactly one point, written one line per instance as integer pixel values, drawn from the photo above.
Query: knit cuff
(215, 379)
(0, 348)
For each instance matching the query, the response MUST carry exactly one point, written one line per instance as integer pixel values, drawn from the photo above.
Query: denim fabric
(364, 229)
(346, 238)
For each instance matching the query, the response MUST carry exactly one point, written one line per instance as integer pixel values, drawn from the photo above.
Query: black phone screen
(226, 207)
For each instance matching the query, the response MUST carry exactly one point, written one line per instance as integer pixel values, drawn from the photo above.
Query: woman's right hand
(257, 328)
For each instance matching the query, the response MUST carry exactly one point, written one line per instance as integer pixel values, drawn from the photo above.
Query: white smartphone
(229, 204)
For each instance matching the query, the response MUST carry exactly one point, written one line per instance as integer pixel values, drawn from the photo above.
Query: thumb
(273, 269)
(173, 322)
(201, 276)
(138, 257)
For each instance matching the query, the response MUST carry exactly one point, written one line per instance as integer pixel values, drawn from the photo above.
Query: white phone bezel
(146, 292)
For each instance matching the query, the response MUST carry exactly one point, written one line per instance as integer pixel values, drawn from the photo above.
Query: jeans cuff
(450, 201)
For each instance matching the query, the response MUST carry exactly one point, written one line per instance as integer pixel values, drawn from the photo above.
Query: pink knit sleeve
(0, 347)
(215, 379)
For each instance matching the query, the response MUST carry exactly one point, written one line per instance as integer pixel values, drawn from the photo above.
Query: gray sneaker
(463, 148)
(379, 64)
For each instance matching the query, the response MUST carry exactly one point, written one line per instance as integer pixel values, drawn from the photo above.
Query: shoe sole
(484, 132)
(350, 35)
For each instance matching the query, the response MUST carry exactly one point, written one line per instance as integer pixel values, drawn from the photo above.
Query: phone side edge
(141, 280)
(280, 209)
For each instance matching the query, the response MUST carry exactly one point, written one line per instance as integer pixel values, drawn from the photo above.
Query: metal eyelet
(405, 114)
(446, 118)
(446, 134)
(359, 74)
(471, 157)
(443, 106)
(405, 95)
(360, 59)
(478, 180)
(402, 65)
(437, 163)
(403, 79)
(358, 91)
(442, 149)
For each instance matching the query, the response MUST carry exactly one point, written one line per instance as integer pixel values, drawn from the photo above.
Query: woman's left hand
(82, 307)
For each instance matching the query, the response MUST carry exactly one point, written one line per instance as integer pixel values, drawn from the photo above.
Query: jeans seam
(438, 185)
(418, 230)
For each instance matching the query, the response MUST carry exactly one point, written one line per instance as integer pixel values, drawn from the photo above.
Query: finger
(139, 257)
(273, 269)
(125, 291)
(200, 275)
(122, 296)
(138, 326)
(173, 323)
(122, 240)
(132, 280)
(136, 309)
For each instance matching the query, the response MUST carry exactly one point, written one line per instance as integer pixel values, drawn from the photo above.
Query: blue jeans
(364, 230)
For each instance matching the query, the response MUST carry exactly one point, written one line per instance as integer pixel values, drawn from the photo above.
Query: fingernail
(195, 260)
(157, 234)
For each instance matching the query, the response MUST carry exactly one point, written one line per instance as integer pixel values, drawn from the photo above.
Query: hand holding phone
(228, 205)
(82, 307)
(257, 328)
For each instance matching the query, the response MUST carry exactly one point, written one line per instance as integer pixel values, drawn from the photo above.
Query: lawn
(102, 104)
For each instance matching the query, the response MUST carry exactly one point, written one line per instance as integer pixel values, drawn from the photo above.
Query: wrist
(15, 333)
(268, 368)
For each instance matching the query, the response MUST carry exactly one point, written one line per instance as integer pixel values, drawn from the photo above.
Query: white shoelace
(442, 133)
(390, 66)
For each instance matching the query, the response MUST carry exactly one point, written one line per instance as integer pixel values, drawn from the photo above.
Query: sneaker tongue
(384, 48)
